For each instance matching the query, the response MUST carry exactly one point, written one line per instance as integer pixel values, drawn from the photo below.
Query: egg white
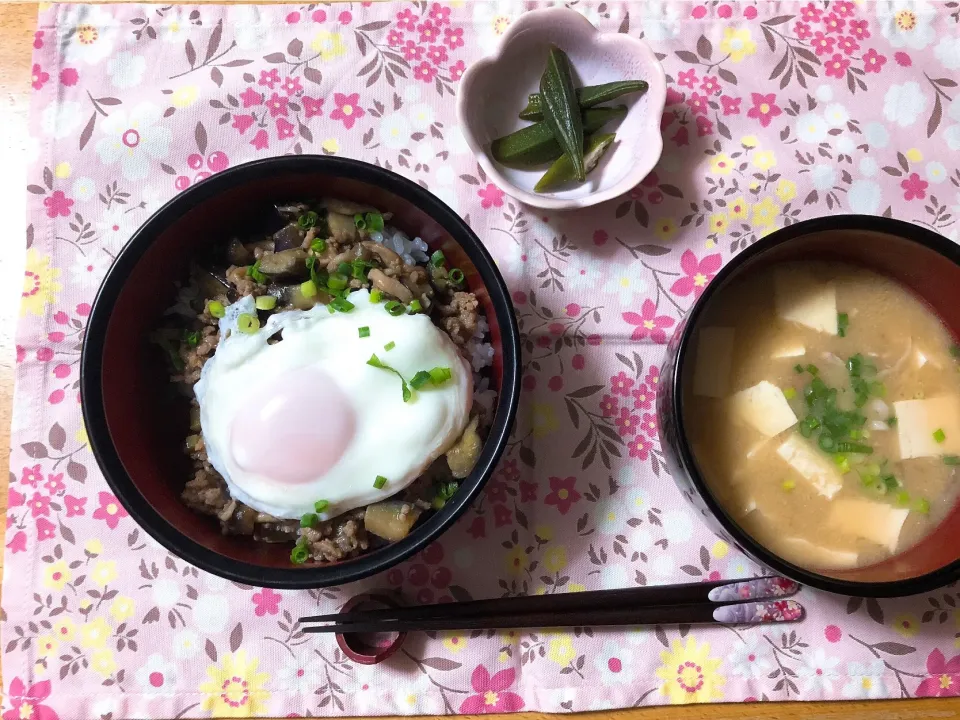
(393, 438)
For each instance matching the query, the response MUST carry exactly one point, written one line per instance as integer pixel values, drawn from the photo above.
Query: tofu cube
(801, 298)
(804, 552)
(873, 521)
(918, 420)
(789, 350)
(711, 374)
(763, 407)
(813, 466)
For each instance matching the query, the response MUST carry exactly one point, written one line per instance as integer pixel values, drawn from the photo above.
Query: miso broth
(823, 408)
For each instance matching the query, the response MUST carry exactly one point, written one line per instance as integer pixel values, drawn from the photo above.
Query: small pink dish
(494, 90)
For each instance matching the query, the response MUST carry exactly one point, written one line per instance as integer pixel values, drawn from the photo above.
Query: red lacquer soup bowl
(136, 425)
(925, 263)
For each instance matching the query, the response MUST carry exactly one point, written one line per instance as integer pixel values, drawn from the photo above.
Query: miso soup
(823, 408)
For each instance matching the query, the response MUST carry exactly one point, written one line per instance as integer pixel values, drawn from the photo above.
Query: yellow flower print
(81, 435)
(914, 155)
(330, 146)
(719, 549)
(555, 559)
(765, 212)
(47, 645)
(122, 608)
(235, 688)
(93, 547)
(906, 625)
(544, 420)
(750, 141)
(738, 208)
(94, 634)
(63, 170)
(721, 164)
(560, 650)
(329, 45)
(576, 587)
(185, 96)
(102, 662)
(764, 159)
(689, 673)
(544, 532)
(64, 630)
(40, 286)
(718, 222)
(104, 572)
(516, 561)
(56, 575)
(510, 636)
(665, 228)
(786, 190)
(454, 642)
(738, 43)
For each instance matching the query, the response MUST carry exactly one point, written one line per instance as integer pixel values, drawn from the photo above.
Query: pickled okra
(535, 145)
(561, 112)
(587, 96)
(561, 172)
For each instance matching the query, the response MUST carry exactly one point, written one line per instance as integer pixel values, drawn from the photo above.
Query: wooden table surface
(17, 22)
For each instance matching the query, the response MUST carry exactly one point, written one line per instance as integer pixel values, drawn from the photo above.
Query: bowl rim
(846, 222)
(656, 93)
(91, 383)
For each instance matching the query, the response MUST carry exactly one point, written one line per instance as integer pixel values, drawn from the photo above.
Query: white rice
(413, 251)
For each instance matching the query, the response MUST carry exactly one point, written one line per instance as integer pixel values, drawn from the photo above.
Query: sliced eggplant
(238, 253)
(291, 211)
(463, 456)
(288, 237)
(342, 228)
(285, 263)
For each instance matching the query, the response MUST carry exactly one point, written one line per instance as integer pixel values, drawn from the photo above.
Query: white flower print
(614, 576)
(739, 566)
(60, 119)
(83, 188)
(614, 663)
(175, 28)
(819, 671)
(166, 592)
(625, 284)
(456, 142)
(126, 70)
(947, 52)
(444, 175)
(134, 139)
(91, 36)
(424, 152)
(836, 114)
(627, 477)
(212, 613)
(186, 644)
(449, 196)
(157, 676)
(421, 116)
(865, 682)
(824, 93)
(660, 20)
(583, 271)
(611, 517)
(299, 675)
(415, 697)
(678, 525)
(903, 104)
(877, 135)
(868, 167)
(115, 228)
(395, 131)
(91, 269)
(935, 171)
(664, 567)
(906, 23)
(509, 256)
(864, 196)
(952, 133)
(252, 25)
(823, 176)
(411, 93)
(844, 144)
(491, 20)
(811, 128)
(751, 659)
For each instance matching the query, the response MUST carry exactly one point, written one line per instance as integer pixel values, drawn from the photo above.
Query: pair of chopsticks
(757, 600)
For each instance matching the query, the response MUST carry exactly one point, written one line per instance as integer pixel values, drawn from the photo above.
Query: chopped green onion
(364, 331)
(955, 350)
(437, 259)
(321, 505)
(389, 346)
(374, 361)
(307, 220)
(420, 379)
(359, 222)
(337, 281)
(376, 296)
(922, 506)
(345, 268)
(444, 493)
(789, 485)
(299, 555)
(266, 302)
(440, 375)
(855, 434)
(341, 305)
(456, 276)
(843, 322)
(891, 482)
(308, 289)
(798, 368)
(951, 459)
(395, 308)
(842, 463)
(253, 272)
(892, 421)
(309, 520)
(826, 442)
(790, 393)
(379, 482)
(812, 369)
(855, 365)
(359, 269)
(878, 487)
(878, 389)
(414, 306)
(902, 498)
(216, 309)
(939, 435)
(853, 447)
(191, 338)
(318, 245)
(247, 323)
(374, 221)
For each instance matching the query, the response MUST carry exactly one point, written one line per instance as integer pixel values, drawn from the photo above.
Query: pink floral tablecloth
(776, 112)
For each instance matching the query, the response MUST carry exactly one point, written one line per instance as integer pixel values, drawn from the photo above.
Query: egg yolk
(294, 428)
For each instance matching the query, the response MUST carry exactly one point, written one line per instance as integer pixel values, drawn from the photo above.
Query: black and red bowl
(136, 429)
(924, 262)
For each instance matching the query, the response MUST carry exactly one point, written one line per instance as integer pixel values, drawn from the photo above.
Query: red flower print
(18, 544)
(653, 377)
(944, 677)
(456, 70)
(425, 72)
(496, 491)
(54, 484)
(38, 77)
(764, 109)
(731, 105)
(843, 8)
(412, 51)
(822, 44)
(650, 424)
(836, 66)
(562, 493)
(394, 38)
(284, 129)
(38, 40)
(312, 107)
(39, 505)
(858, 28)
(453, 37)
(266, 602)
(440, 14)
(903, 59)
(277, 105)
(697, 104)
(251, 98)
(46, 530)
(478, 528)
(291, 85)
(347, 109)
(639, 447)
(437, 54)
(510, 470)
(502, 515)
(914, 188)
(16, 499)
(428, 32)
(649, 323)
(27, 703)
(406, 20)
(490, 196)
(74, 505)
(31, 476)
(242, 123)
(642, 397)
(491, 697)
(687, 78)
(528, 491)
(110, 510)
(834, 23)
(696, 274)
(58, 204)
(873, 61)
(261, 140)
(620, 384)
(21, 353)
(609, 406)
(627, 423)
(681, 137)
(710, 85)
(848, 45)
(704, 127)
(674, 97)
(802, 30)
(811, 13)
(269, 78)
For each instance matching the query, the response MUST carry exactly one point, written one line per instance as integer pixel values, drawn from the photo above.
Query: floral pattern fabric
(776, 112)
